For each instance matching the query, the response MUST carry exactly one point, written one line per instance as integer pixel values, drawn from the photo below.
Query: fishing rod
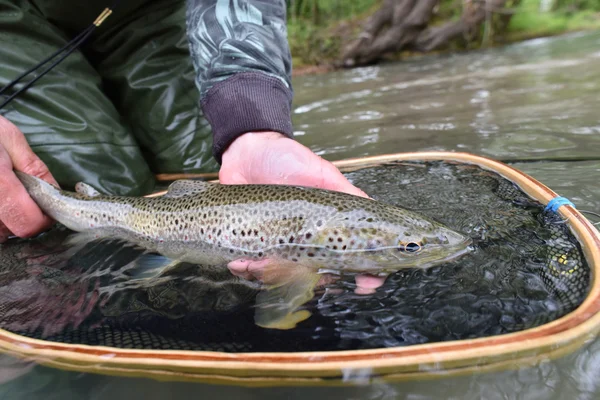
(67, 49)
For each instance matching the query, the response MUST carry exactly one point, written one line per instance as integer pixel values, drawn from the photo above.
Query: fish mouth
(454, 251)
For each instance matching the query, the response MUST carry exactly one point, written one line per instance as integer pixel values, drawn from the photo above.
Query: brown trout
(300, 230)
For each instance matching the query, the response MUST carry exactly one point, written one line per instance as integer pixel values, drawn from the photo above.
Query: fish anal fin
(150, 266)
(288, 287)
(186, 187)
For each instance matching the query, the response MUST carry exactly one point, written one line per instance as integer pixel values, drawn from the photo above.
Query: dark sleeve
(243, 66)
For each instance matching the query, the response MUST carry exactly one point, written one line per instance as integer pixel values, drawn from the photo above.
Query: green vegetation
(564, 16)
(313, 26)
(318, 29)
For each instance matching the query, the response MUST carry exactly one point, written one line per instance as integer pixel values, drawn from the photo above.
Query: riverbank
(317, 48)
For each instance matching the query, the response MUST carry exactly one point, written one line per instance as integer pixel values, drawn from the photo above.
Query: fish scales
(257, 221)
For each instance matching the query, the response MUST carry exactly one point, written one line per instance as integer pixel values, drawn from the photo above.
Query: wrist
(246, 102)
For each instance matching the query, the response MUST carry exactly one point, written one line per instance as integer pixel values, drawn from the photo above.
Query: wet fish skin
(307, 229)
(203, 222)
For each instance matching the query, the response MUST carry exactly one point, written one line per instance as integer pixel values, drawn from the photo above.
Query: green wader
(118, 110)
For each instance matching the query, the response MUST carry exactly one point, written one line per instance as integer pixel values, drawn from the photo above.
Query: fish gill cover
(527, 269)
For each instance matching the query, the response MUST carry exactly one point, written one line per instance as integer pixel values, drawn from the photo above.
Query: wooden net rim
(566, 333)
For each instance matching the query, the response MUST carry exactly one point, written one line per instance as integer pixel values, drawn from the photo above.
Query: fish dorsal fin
(186, 187)
(86, 190)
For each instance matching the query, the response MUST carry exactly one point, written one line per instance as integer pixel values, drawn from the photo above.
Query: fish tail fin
(35, 186)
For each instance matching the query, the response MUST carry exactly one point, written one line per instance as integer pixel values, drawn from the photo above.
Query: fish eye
(410, 247)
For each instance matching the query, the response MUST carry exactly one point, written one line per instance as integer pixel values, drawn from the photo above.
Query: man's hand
(271, 158)
(19, 215)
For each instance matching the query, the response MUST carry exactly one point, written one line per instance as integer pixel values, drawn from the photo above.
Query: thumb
(21, 155)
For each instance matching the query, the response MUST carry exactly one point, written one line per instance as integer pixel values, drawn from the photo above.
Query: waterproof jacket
(162, 86)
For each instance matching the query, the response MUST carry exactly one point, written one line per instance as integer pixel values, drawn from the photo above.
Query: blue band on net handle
(557, 202)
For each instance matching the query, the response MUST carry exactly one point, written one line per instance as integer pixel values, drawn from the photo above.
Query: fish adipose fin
(186, 187)
(288, 287)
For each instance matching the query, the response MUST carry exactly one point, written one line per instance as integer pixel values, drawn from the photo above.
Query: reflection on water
(535, 100)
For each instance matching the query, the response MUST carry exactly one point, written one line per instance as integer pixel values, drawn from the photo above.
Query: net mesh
(527, 269)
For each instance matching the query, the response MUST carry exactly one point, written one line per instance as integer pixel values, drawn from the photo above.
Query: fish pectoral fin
(86, 190)
(186, 187)
(150, 265)
(290, 288)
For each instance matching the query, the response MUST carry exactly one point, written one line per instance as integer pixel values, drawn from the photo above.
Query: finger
(21, 155)
(333, 179)
(367, 284)
(239, 268)
(18, 212)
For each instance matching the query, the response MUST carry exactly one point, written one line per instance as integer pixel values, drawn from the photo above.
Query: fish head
(411, 241)
(423, 246)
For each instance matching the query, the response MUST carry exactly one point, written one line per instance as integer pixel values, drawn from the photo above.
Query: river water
(533, 104)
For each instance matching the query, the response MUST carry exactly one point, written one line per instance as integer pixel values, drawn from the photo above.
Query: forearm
(243, 66)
